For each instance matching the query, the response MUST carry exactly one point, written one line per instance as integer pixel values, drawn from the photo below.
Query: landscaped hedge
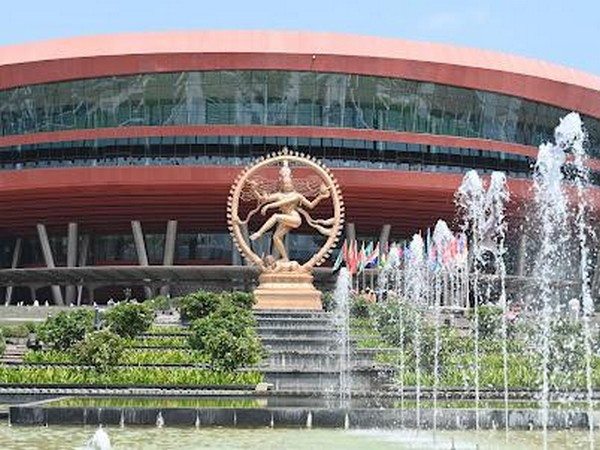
(124, 375)
(64, 330)
(129, 319)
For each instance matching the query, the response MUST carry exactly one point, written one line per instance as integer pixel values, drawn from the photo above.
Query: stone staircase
(14, 353)
(303, 354)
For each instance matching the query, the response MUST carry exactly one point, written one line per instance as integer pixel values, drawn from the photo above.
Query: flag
(340, 258)
(373, 256)
(361, 258)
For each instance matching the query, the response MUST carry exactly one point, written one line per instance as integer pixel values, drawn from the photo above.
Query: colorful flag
(340, 258)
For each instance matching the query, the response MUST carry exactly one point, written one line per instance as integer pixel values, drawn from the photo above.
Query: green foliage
(198, 304)
(64, 330)
(227, 338)
(129, 356)
(2, 344)
(327, 301)
(159, 303)
(157, 341)
(21, 330)
(360, 307)
(490, 321)
(101, 349)
(129, 319)
(244, 300)
(124, 375)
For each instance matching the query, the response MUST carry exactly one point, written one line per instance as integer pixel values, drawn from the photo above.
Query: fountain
(99, 441)
(341, 318)
(452, 301)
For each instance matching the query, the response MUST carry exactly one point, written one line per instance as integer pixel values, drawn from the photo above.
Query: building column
(49, 259)
(384, 236)
(596, 278)
(83, 252)
(169, 253)
(15, 262)
(140, 248)
(521, 255)
(350, 232)
(71, 258)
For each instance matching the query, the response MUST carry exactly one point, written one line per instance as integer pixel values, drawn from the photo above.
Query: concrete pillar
(71, 258)
(49, 259)
(140, 248)
(15, 262)
(170, 240)
(169, 253)
(596, 277)
(384, 236)
(350, 232)
(83, 252)
(521, 255)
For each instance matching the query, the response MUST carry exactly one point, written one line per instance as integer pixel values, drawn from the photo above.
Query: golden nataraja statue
(285, 283)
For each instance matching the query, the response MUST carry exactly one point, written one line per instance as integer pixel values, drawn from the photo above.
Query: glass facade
(240, 150)
(260, 97)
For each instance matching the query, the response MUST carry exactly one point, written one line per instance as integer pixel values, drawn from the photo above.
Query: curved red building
(120, 150)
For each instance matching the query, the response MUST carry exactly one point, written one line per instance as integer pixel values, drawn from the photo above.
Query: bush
(490, 321)
(129, 319)
(328, 301)
(2, 344)
(198, 304)
(101, 349)
(227, 338)
(240, 299)
(359, 307)
(64, 330)
(160, 303)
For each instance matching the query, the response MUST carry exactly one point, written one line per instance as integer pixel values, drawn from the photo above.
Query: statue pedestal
(287, 290)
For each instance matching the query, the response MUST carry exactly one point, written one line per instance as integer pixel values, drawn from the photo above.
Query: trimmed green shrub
(327, 301)
(490, 321)
(198, 304)
(64, 330)
(129, 319)
(227, 338)
(359, 307)
(2, 344)
(243, 300)
(159, 303)
(101, 349)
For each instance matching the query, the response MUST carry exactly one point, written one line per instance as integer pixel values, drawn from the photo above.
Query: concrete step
(279, 343)
(292, 322)
(324, 381)
(321, 359)
(323, 332)
(290, 314)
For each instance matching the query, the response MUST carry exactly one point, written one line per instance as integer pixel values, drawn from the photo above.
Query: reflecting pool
(57, 437)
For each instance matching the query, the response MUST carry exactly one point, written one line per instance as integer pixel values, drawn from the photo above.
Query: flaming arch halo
(284, 283)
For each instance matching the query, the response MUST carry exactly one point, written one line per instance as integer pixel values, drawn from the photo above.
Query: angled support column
(14, 264)
(521, 255)
(169, 253)
(71, 258)
(83, 252)
(140, 248)
(596, 278)
(49, 259)
(384, 236)
(350, 232)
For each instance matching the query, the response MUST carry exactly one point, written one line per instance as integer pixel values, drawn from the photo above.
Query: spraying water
(342, 321)
(570, 136)
(417, 294)
(99, 441)
(470, 199)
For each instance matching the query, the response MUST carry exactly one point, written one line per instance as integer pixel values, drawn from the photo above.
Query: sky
(563, 32)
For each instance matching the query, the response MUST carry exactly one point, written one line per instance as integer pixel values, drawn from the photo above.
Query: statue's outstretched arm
(310, 204)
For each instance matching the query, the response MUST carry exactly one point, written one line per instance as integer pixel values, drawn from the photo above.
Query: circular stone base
(287, 290)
